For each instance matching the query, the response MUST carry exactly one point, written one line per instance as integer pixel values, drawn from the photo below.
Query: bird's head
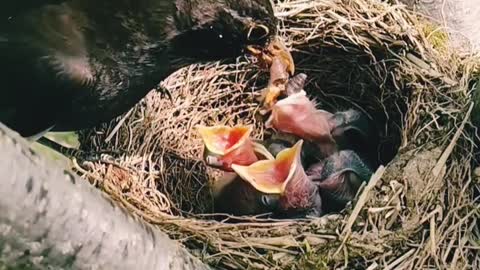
(297, 115)
(237, 197)
(226, 145)
(210, 30)
(285, 178)
(354, 130)
(339, 177)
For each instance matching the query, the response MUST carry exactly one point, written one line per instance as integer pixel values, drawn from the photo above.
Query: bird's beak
(290, 110)
(221, 140)
(276, 48)
(261, 150)
(273, 176)
(227, 145)
(296, 84)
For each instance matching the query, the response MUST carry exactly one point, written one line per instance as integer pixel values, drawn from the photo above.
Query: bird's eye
(269, 200)
(213, 161)
(257, 32)
(265, 200)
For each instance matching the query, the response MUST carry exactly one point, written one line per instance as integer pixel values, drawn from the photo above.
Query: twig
(362, 200)
(399, 260)
(443, 158)
(119, 124)
(358, 207)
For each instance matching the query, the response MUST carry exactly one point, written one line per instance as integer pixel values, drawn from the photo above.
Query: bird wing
(44, 65)
(14, 8)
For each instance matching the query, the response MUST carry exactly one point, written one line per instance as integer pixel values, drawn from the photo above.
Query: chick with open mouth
(285, 178)
(224, 147)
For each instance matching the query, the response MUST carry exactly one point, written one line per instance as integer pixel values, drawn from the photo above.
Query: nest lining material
(417, 213)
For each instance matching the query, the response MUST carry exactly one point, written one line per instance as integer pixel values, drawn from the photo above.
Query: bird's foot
(95, 156)
(71, 153)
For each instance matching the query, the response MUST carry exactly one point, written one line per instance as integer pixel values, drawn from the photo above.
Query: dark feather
(79, 63)
(240, 198)
(11, 9)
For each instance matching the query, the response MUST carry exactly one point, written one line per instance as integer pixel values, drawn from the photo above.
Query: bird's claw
(94, 156)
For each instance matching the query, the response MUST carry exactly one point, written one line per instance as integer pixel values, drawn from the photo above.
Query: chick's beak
(220, 140)
(262, 151)
(227, 145)
(272, 176)
(224, 145)
(290, 110)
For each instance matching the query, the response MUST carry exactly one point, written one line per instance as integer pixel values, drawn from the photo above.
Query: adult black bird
(13, 8)
(72, 65)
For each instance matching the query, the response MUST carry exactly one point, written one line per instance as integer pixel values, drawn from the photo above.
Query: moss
(69, 139)
(314, 262)
(435, 36)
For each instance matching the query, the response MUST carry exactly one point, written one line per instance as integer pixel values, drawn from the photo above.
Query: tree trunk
(52, 219)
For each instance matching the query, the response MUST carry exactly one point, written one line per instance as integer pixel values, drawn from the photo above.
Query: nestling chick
(298, 115)
(286, 178)
(234, 196)
(339, 177)
(355, 131)
(225, 146)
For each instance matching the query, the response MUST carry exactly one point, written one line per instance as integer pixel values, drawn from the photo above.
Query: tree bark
(52, 219)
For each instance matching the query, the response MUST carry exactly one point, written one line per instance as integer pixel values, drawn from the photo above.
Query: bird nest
(417, 211)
